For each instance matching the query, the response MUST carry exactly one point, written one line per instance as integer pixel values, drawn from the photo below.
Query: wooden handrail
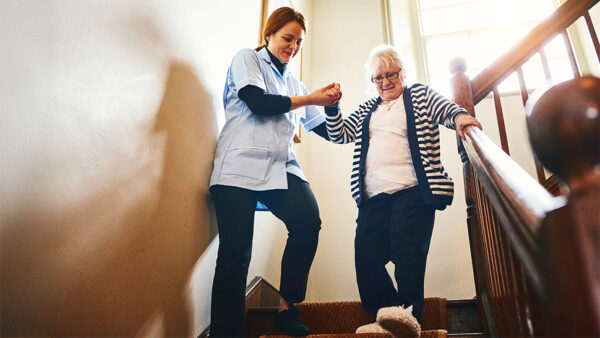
(563, 17)
(535, 256)
(531, 201)
(524, 201)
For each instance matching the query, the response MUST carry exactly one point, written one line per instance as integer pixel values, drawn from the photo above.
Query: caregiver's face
(286, 42)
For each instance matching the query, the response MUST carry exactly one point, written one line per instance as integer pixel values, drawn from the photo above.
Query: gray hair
(387, 55)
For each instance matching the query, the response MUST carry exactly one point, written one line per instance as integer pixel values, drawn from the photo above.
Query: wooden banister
(563, 17)
(552, 281)
(522, 203)
(536, 255)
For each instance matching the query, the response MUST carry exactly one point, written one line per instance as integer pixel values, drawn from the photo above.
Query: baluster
(525, 96)
(593, 35)
(570, 52)
(545, 65)
(487, 268)
(524, 93)
(492, 261)
(500, 118)
(475, 236)
(510, 298)
(499, 322)
(520, 299)
(502, 316)
(529, 302)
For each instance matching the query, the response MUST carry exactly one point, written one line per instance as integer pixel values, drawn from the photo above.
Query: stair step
(424, 334)
(462, 316)
(338, 335)
(341, 318)
(459, 317)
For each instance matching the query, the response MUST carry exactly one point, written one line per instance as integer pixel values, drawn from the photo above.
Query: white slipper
(399, 321)
(372, 328)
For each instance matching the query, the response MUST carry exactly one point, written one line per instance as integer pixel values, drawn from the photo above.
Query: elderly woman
(398, 183)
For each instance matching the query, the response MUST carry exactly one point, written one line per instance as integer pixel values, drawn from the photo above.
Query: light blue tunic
(253, 151)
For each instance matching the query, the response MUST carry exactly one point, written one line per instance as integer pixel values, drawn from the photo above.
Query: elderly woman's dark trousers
(235, 207)
(393, 227)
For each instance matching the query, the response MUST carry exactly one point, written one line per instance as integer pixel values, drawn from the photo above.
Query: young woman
(254, 162)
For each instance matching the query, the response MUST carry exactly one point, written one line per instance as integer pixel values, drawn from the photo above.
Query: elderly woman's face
(389, 81)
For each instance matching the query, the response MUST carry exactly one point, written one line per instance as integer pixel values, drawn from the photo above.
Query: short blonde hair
(387, 55)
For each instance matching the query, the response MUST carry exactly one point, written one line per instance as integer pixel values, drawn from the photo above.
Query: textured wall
(107, 131)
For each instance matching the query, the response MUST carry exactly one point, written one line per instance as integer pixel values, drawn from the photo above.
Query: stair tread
(342, 318)
(424, 334)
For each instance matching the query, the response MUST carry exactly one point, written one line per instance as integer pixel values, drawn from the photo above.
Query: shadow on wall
(56, 282)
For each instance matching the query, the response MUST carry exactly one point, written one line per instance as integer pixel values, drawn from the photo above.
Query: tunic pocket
(249, 162)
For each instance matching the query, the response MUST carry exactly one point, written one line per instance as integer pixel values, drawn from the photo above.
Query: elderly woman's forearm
(339, 131)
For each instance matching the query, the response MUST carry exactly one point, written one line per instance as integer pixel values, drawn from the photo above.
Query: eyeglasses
(389, 76)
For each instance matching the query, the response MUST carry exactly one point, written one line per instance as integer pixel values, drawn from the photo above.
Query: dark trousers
(297, 208)
(393, 227)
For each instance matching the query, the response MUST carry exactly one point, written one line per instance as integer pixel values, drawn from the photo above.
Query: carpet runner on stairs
(341, 319)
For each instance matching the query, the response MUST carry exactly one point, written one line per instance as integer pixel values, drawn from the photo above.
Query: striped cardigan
(425, 109)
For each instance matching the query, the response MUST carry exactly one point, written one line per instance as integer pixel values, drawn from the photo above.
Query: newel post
(461, 85)
(564, 129)
(462, 93)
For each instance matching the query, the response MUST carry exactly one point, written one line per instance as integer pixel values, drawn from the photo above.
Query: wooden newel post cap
(458, 65)
(564, 130)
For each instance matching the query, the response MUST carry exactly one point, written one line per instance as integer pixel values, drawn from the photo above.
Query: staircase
(535, 256)
(441, 318)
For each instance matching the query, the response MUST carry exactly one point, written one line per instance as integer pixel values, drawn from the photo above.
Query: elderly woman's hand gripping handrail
(463, 121)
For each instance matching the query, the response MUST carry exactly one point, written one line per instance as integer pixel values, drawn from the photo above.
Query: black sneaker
(289, 322)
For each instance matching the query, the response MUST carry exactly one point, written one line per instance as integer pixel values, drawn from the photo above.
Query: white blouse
(389, 166)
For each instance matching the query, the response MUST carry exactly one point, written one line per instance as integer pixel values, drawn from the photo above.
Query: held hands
(463, 121)
(327, 96)
(335, 93)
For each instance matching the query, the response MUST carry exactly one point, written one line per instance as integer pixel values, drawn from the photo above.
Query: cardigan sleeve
(442, 110)
(342, 130)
